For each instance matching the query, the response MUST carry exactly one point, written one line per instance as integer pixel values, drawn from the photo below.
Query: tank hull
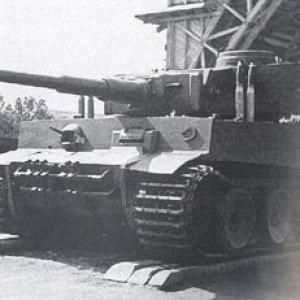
(174, 183)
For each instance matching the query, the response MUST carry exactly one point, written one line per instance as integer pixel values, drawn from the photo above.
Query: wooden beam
(191, 34)
(176, 10)
(249, 5)
(170, 45)
(202, 55)
(234, 12)
(261, 23)
(203, 59)
(161, 20)
(201, 41)
(284, 36)
(236, 38)
(161, 28)
(211, 49)
(223, 33)
(277, 43)
(209, 29)
(185, 42)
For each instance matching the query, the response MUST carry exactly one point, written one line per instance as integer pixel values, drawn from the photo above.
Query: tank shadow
(78, 247)
(276, 281)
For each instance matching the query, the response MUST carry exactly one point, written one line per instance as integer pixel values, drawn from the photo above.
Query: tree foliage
(24, 109)
(28, 109)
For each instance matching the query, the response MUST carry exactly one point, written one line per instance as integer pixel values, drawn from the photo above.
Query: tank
(186, 161)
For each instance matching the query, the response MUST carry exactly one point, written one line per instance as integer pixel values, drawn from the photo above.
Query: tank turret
(198, 92)
(136, 95)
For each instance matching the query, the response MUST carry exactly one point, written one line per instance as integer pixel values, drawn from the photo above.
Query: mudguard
(164, 163)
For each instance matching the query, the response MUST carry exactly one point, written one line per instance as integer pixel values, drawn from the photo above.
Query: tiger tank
(187, 161)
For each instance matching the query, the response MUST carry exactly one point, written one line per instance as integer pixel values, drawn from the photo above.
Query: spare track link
(164, 213)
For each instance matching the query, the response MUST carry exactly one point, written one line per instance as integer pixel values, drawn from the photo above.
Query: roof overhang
(176, 13)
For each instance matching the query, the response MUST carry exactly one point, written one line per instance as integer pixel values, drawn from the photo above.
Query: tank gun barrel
(120, 90)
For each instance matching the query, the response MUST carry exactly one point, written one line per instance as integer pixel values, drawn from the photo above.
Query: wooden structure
(197, 30)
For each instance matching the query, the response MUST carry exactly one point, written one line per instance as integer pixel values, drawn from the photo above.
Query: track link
(165, 214)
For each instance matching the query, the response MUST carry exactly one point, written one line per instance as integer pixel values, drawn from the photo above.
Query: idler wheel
(237, 219)
(279, 215)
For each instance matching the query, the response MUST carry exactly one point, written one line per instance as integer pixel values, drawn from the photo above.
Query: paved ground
(65, 274)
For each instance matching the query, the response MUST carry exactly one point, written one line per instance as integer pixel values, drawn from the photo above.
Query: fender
(164, 163)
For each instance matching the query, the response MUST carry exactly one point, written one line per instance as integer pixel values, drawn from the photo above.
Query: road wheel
(237, 220)
(279, 215)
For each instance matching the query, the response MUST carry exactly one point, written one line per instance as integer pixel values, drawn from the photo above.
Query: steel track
(166, 222)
